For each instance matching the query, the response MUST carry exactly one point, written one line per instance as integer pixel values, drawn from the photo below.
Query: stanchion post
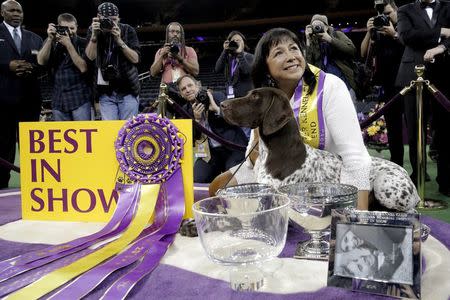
(421, 144)
(420, 174)
(162, 100)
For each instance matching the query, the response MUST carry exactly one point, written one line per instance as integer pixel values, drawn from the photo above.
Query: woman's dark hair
(233, 33)
(271, 38)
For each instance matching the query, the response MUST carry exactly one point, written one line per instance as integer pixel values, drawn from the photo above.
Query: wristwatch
(123, 45)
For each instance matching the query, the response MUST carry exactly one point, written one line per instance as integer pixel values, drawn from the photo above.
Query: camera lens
(233, 46)
(174, 49)
(318, 28)
(106, 24)
(380, 21)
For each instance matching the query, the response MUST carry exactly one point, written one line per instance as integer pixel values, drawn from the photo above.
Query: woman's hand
(225, 44)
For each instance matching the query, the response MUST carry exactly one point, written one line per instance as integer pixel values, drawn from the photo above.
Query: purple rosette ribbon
(149, 149)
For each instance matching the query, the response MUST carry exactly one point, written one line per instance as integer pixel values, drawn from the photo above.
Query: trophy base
(312, 250)
(432, 204)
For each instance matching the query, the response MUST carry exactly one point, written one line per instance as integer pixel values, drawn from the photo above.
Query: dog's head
(266, 108)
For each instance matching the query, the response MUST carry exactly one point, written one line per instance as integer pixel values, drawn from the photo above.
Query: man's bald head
(12, 12)
(10, 2)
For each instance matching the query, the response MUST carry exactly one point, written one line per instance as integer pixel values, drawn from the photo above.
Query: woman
(236, 64)
(279, 62)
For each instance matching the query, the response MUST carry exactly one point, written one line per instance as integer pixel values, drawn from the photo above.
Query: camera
(318, 28)
(110, 72)
(233, 46)
(62, 30)
(174, 48)
(106, 23)
(203, 98)
(379, 6)
(380, 21)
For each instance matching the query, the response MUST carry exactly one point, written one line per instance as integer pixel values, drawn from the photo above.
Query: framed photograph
(375, 252)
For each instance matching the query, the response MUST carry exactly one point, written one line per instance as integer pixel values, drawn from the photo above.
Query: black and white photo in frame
(376, 252)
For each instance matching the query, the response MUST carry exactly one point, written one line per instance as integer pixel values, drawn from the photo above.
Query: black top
(388, 54)
(240, 80)
(218, 124)
(108, 53)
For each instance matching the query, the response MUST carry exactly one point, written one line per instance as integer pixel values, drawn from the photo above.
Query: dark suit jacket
(219, 126)
(14, 90)
(418, 33)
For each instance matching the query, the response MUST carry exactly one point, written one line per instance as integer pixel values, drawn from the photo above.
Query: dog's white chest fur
(319, 166)
(390, 183)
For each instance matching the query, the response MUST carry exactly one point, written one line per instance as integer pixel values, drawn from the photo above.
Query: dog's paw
(188, 228)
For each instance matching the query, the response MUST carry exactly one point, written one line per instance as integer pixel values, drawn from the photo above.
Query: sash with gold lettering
(308, 110)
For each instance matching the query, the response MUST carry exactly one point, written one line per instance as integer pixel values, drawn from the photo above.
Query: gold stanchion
(162, 100)
(421, 145)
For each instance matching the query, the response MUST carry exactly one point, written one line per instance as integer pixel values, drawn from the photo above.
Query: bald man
(20, 97)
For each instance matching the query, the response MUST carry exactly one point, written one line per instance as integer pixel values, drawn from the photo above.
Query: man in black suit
(213, 158)
(423, 27)
(20, 98)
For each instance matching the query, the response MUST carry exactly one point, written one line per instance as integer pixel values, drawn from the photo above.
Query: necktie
(17, 39)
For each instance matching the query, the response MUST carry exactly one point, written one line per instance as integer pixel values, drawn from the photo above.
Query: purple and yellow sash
(308, 110)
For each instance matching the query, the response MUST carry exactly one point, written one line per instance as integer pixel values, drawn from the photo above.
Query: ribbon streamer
(26, 262)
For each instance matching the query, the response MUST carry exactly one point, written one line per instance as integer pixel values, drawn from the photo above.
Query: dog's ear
(277, 115)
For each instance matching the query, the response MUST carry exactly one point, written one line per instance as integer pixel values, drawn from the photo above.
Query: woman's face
(286, 62)
(350, 241)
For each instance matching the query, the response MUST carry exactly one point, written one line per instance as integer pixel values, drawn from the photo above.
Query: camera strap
(234, 65)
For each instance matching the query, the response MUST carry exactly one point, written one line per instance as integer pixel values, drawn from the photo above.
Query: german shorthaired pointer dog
(269, 109)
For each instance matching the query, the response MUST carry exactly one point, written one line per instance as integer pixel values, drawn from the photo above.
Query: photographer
(236, 65)
(424, 29)
(174, 60)
(330, 50)
(115, 49)
(212, 157)
(381, 45)
(63, 52)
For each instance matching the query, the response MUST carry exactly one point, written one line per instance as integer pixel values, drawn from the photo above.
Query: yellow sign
(68, 169)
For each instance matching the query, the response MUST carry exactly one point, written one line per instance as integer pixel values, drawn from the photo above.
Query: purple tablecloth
(168, 282)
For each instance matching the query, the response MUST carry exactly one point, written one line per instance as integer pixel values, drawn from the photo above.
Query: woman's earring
(270, 81)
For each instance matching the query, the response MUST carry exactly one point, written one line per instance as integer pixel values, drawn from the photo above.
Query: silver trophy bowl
(311, 205)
